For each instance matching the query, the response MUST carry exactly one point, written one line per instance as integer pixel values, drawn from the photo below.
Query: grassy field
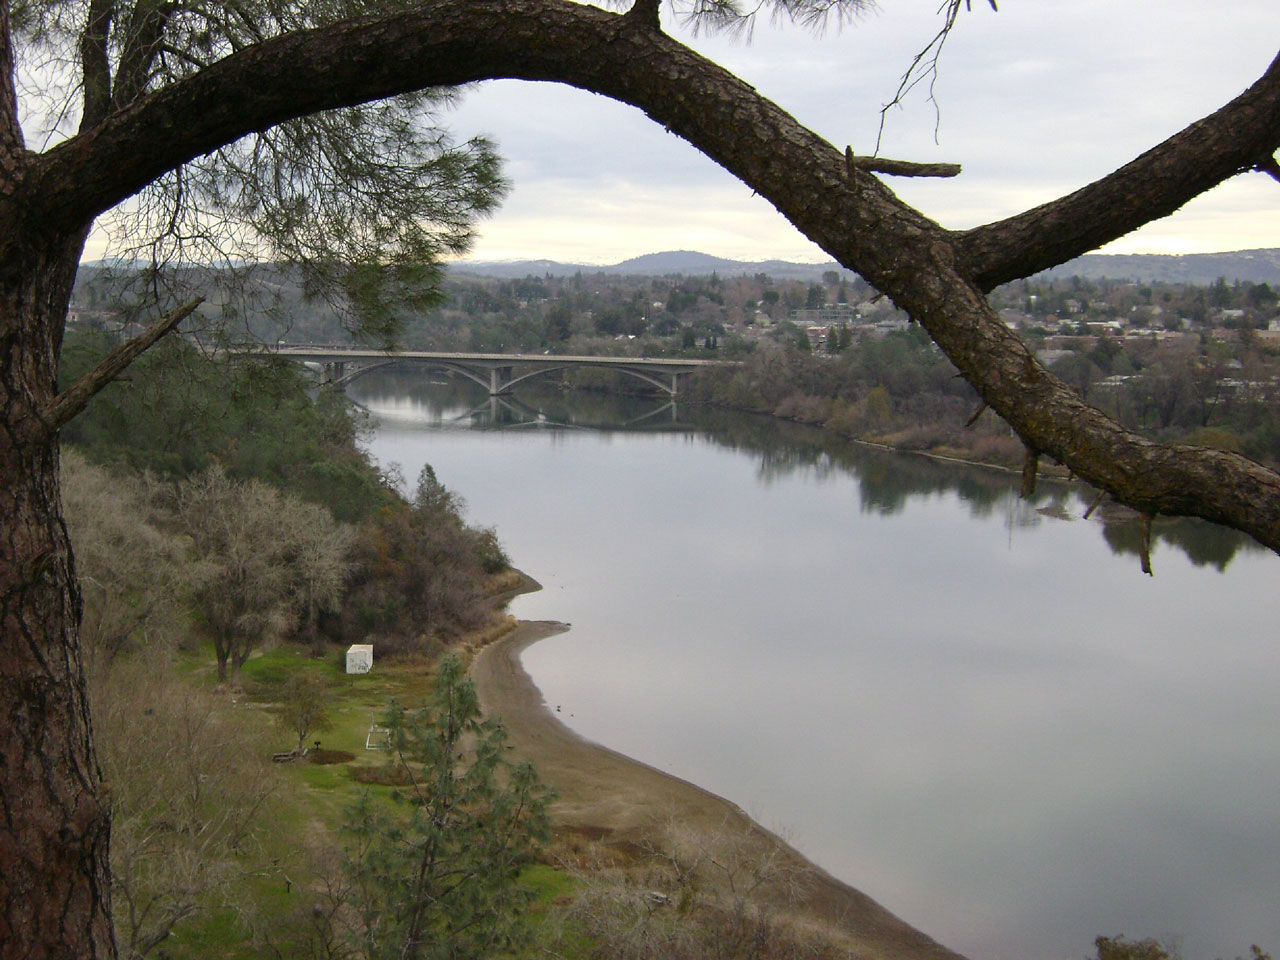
(284, 869)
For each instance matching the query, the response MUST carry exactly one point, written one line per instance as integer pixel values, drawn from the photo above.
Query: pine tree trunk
(54, 826)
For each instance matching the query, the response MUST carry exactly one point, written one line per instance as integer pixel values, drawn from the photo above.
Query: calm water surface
(975, 709)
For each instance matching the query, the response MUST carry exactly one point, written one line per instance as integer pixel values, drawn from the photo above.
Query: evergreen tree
(443, 881)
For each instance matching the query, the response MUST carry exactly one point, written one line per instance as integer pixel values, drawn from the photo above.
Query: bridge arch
(360, 371)
(669, 388)
(505, 383)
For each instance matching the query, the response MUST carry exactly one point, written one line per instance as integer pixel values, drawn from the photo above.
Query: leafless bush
(133, 574)
(725, 896)
(188, 788)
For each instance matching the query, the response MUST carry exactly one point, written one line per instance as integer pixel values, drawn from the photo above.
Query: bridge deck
(497, 372)
(330, 354)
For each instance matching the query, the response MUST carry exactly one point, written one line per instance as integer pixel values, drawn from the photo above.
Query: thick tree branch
(443, 43)
(1051, 417)
(143, 37)
(1271, 167)
(1240, 136)
(647, 13)
(76, 397)
(94, 63)
(939, 278)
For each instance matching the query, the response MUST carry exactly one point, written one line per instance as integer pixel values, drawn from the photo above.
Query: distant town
(1180, 359)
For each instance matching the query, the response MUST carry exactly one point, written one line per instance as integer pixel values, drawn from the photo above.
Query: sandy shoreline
(605, 794)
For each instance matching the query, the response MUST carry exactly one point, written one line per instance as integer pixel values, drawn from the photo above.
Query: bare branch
(74, 399)
(1097, 501)
(898, 168)
(924, 66)
(973, 418)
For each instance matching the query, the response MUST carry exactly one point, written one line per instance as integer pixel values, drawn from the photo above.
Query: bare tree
(268, 559)
(134, 575)
(204, 103)
(188, 787)
(305, 703)
(725, 893)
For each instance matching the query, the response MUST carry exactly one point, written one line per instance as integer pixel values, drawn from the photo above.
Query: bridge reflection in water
(498, 373)
(508, 412)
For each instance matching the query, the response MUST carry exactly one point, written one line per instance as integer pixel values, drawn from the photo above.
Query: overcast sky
(1034, 100)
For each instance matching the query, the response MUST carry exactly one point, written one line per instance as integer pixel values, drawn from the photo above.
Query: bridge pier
(499, 381)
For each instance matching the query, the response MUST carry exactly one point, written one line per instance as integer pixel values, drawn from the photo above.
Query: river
(976, 709)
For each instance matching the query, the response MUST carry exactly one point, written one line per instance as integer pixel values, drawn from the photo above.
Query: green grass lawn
(306, 809)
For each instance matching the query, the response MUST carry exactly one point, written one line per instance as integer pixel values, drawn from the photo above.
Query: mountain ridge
(1254, 266)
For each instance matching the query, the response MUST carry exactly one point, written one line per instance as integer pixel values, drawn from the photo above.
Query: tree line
(228, 505)
(899, 390)
(291, 531)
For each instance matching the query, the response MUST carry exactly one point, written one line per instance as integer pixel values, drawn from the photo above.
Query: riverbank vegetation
(265, 802)
(264, 477)
(231, 539)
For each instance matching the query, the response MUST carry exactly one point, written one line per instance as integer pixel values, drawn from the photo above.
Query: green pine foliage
(441, 879)
(415, 572)
(179, 412)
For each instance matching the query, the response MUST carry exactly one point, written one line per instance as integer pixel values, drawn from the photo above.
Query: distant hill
(687, 262)
(1255, 266)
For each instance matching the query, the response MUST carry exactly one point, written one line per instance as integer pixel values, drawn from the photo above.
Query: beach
(619, 801)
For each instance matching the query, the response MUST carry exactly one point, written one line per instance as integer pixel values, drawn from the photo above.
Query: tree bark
(54, 880)
(222, 649)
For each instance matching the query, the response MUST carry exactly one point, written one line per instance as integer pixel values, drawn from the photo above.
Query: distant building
(1016, 318)
(360, 658)
(1270, 338)
(826, 316)
(892, 325)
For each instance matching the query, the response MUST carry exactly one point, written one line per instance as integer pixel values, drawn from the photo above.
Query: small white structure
(360, 658)
(378, 738)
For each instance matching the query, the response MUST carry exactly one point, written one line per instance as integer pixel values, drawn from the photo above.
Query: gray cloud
(1034, 101)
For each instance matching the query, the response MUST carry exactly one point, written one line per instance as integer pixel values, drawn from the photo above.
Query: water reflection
(458, 402)
(887, 482)
(953, 699)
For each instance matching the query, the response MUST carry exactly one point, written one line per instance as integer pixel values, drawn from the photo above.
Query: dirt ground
(602, 793)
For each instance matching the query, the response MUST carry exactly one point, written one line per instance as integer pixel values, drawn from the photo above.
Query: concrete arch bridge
(498, 373)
